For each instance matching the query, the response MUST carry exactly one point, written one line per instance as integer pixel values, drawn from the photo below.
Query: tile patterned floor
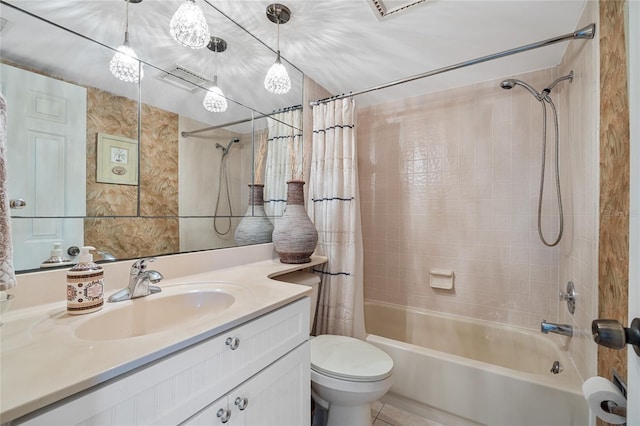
(388, 415)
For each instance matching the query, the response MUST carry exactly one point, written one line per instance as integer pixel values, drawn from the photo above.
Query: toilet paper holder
(610, 406)
(613, 408)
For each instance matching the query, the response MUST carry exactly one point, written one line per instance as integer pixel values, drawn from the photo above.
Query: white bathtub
(465, 371)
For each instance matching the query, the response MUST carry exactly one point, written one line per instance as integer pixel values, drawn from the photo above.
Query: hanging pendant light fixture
(189, 27)
(214, 100)
(277, 80)
(125, 64)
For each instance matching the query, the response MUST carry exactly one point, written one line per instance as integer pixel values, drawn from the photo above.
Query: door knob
(612, 334)
(17, 203)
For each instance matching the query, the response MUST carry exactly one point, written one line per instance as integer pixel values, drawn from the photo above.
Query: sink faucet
(563, 329)
(140, 282)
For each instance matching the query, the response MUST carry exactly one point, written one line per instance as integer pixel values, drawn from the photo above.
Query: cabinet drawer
(173, 388)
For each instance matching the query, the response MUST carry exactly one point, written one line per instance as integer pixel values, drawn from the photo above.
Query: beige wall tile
(454, 182)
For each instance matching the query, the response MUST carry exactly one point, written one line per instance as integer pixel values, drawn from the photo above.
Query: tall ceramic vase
(294, 235)
(255, 227)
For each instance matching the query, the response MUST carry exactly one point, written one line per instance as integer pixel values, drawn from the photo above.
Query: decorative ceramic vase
(294, 235)
(255, 227)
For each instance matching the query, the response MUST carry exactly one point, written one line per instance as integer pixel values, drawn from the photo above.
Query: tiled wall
(450, 181)
(580, 179)
(200, 164)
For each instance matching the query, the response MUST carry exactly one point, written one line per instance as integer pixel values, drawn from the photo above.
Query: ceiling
(344, 45)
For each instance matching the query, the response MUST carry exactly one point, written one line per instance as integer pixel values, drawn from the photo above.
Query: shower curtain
(334, 207)
(284, 162)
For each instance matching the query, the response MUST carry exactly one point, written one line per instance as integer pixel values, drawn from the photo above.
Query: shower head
(508, 84)
(512, 82)
(225, 151)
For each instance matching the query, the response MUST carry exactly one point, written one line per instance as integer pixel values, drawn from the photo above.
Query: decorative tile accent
(613, 258)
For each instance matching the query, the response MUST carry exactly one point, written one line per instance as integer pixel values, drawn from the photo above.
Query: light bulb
(214, 100)
(189, 27)
(125, 65)
(277, 80)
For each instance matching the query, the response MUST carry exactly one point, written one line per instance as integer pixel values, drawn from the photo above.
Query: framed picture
(117, 160)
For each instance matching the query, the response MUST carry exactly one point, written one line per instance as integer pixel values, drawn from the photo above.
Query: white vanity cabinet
(264, 364)
(277, 396)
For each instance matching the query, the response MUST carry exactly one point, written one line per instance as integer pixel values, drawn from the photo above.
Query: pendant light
(125, 64)
(277, 80)
(189, 27)
(214, 100)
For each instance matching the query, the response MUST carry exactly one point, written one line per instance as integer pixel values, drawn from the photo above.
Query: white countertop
(42, 361)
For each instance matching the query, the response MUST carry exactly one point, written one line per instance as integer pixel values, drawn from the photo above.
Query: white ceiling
(342, 44)
(345, 47)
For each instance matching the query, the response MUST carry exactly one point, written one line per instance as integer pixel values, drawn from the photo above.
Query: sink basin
(148, 315)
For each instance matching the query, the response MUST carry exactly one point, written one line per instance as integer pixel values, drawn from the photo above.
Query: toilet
(347, 374)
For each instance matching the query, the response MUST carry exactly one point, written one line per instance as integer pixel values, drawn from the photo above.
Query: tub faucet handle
(569, 297)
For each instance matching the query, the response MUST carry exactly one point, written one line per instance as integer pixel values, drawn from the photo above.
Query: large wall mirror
(138, 169)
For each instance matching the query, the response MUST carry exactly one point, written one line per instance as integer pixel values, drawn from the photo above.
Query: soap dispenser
(56, 258)
(85, 285)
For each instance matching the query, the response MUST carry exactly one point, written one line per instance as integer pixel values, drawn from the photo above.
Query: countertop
(42, 361)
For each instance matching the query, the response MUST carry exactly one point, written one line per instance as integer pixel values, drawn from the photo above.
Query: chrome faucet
(140, 282)
(563, 329)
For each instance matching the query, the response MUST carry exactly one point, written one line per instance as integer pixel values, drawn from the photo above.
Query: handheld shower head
(225, 151)
(512, 82)
(508, 84)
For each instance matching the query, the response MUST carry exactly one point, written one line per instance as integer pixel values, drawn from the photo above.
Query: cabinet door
(279, 395)
(217, 413)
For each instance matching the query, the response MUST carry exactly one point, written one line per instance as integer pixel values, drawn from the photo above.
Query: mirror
(136, 169)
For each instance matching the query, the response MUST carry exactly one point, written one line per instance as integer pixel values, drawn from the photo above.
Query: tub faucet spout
(563, 329)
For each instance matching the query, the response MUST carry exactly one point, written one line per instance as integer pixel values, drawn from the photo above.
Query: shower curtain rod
(244, 120)
(587, 32)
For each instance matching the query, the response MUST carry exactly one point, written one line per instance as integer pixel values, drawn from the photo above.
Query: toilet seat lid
(348, 358)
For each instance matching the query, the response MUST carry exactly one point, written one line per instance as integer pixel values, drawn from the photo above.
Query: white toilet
(347, 374)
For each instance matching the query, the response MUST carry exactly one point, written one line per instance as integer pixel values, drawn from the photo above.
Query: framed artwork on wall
(117, 160)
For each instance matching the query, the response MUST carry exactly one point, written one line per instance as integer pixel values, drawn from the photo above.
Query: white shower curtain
(284, 149)
(334, 208)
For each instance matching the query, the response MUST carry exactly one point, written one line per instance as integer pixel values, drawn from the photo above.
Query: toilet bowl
(347, 374)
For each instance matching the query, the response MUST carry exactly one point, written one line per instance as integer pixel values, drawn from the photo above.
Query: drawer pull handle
(241, 403)
(224, 415)
(232, 342)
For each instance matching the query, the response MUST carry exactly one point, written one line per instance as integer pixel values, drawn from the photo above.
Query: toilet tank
(305, 278)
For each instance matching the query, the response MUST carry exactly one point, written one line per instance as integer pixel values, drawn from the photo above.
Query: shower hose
(223, 184)
(557, 173)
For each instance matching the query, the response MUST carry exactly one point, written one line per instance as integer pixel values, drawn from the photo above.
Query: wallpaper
(133, 237)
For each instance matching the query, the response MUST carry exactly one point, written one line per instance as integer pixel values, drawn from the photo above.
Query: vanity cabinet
(277, 396)
(263, 364)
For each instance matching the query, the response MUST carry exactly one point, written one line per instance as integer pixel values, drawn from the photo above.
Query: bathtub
(462, 371)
